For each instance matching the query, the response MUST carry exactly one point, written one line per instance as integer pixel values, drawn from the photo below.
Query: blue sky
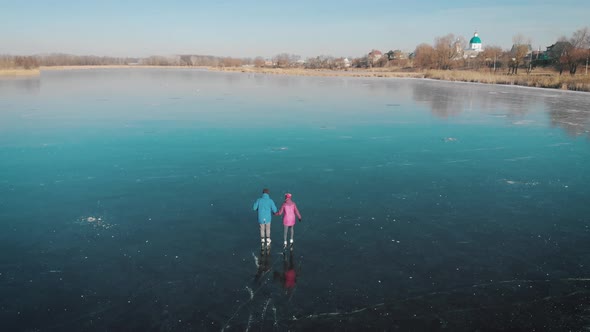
(266, 28)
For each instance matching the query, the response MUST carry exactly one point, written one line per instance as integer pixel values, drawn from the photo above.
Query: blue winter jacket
(265, 206)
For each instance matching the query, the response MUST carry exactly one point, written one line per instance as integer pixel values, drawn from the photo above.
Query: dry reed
(19, 72)
(550, 80)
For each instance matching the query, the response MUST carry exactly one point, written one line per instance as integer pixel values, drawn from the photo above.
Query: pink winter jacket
(289, 211)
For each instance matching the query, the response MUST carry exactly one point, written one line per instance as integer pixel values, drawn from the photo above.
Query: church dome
(475, 39)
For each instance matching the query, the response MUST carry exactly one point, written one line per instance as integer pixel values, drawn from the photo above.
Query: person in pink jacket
(289, 211)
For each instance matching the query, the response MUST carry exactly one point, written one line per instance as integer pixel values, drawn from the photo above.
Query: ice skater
(289, 211)
(265, 207)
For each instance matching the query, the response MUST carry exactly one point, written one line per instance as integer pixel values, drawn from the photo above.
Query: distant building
(539, 55)
(475, 43)
(474, 48)
(396, 55)
(342, 63)
(374, 56)
(556, 50)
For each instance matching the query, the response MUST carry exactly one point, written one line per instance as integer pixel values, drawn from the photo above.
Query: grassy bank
(538, 78)
(19, 72)
(322, 72)
(547, 79)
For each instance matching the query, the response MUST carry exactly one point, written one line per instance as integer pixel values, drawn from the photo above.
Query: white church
(474, 48)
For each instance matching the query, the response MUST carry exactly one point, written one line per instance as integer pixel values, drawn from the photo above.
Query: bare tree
(294, 59)
(362, 62)
(581, 38)
(59, 59)
(231, 62)
(322, 62)
(185, 60)
(578, 51)
(282, 60)
(6, 61)
(447, 51)
(491, 58)
(381, 62)
(259, 61)
(519, 53)
(566, 55)
(519, 39)
(25, 62)
(424, 56)
(313, 63)
(520, 48)
(461, 42)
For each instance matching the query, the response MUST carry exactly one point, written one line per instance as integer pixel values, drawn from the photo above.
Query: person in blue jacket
(266, 208)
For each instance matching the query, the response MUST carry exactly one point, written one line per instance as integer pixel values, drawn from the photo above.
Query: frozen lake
(126, 203)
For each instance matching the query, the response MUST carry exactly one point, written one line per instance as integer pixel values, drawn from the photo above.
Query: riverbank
(323, 72)
(54, 68)
(539, 78)
(14, 72)
(19, 72)
(258, 70)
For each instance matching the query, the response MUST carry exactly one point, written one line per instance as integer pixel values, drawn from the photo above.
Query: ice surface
(427, 205)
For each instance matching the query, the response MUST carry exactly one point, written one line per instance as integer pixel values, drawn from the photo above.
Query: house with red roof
(374, 56)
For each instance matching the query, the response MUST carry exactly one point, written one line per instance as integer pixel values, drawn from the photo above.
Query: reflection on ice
(568, 110)
(262, 297)
(573, 114)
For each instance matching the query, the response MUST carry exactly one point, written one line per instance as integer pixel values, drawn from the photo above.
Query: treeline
(447, 52)
(195, 60)
(34, 61)
(31, 62)
(21, 62)
(82, 60)
(567, 53)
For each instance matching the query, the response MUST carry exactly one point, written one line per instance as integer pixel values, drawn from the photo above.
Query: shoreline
(324, 72)
(544, 79)
(17, 72)
(85, 67)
